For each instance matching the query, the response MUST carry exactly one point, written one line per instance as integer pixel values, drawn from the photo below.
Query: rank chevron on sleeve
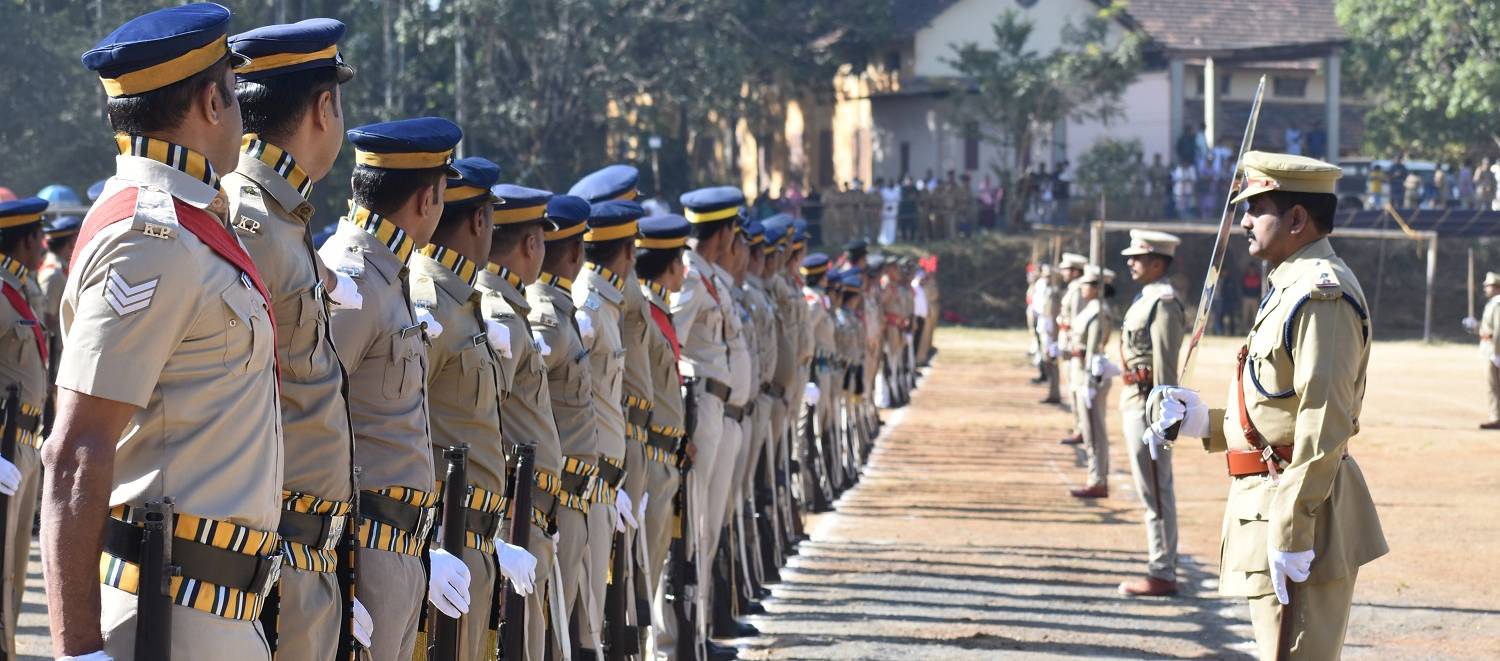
(127, 298)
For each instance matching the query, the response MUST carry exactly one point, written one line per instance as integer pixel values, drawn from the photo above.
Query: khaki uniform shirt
(763, 314)
(51, 279)
(384, 351)
(271, 216)
(1489, 327)
(1072, 300)
(1151, 336)
(737, 337)
(193, 348)
(785, 302)
(1090, 334)
(568, 377)
(821, 325)
(526, 407)
(463, 383)
(20, 356)
(1303, 383)
(636, 328)
(596, 296)
(669, 412)
(698, 315)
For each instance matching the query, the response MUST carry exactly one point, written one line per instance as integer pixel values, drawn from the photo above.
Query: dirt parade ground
(962, 543)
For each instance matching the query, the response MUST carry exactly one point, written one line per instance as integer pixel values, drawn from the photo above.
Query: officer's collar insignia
(279, 160)
(192, 163)
(15, 268)
(383, 230)
(1326, 280)
(450, 259)
(511, 277)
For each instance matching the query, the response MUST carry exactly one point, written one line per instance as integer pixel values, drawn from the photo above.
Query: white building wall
(970, 21)
(1145, 118)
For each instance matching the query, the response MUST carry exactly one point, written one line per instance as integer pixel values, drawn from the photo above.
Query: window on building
(971, 147)
(825, 158)
(905, 159)
(1225, 84)
(1291, 87)
(893, 61)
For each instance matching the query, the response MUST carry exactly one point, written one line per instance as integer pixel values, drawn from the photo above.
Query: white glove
(345, 294)
(10, 477)
(448, 583)
(92, 656)
(1471, 324)
(1494, 360)
(640, 512)
(810, 393)
(434, 329)
(585, 325)
(541, 343)
(499, 336)
(1052, 350)
(518, 565)
(624, 511)
(1089, 393)
(1103, 368)
(1294, 566)
(364, 626)
(1177, 405)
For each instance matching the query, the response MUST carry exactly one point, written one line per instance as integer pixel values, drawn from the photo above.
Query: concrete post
(1211, 102)
(1331, 102)
(1175, 108)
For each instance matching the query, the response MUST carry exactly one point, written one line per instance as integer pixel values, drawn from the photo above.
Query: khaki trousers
(20, 511)
(195, 634)
(474, 627)
(541, 547)
(1494, 377)
(1153, 481)
(1320, 617)
(601, 533)
(395, 585)
(572, 556)
(308, 621)
(1092, 425)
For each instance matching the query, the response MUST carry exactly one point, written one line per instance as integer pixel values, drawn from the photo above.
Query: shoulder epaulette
(248, 210)
(424, 292)
(155, 213)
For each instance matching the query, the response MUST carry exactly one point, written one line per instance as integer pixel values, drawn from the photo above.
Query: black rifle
(682, 607)
(618, 633)
(455, 490)
(349, 647)
(153, 618)
(513, 619)
(12, 413)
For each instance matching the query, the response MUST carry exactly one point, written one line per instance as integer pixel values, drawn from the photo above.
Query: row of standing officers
(266, 448)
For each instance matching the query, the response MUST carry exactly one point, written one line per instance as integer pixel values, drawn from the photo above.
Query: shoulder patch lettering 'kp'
(127, 298)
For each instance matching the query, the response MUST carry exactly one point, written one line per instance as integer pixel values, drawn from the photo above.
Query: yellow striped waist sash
(324, 522)
(610, 474)
(224, 601)
(405, 533)
(577, 484)
(661, 443)
(482, 518)
(29, 426)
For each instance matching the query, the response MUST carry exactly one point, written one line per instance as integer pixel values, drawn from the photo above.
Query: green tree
(1111, 171)
(1432, 69)
(1011, 93)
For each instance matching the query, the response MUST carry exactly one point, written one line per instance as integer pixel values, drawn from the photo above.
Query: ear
(213, 106)
(1301, 219)
(479, 221)
(426, 199)
(326, 109)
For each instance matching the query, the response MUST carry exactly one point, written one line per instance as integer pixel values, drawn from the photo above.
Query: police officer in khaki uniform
(398, 186)
(757, 480)
(1150, 341)
(516, 253)
(698, 317)
(1300, 521)
(295, 101)
(816, 413)
(557, 333)
(167, 388)
(1071, 266)
(598, 293)
(23, 366)
(1488, 329)
(53, 275)
(785, 378)
(464, 389)
(1090, 333)
(660, 271)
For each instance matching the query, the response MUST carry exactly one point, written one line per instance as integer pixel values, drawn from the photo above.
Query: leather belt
(661, 441)
(716, 388)
(735, 413)
(411, 519)
(638, 416)
(319, 531)
(245, 561)
(775, 390)
(484, 524)
(611, 474)
(1253, 462)
(1139, 376)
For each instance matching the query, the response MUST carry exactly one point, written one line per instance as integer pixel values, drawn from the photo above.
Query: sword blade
(1221, 242)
